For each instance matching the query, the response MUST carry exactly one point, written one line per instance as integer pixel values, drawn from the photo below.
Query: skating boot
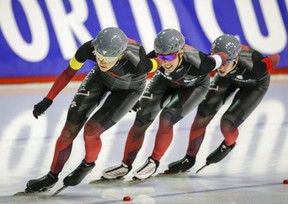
(220, 153)
(217, 155)
(41, 184)
(146, 170)
(181, 165)
(116, 172)
(76, 176)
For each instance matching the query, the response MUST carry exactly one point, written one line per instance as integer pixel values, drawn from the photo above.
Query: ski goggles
(228, 62)
(168, 57)
(106, 59)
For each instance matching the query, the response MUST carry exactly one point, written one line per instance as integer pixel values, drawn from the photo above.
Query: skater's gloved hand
(136, 107)
(41, 107)
(271, 61)
(223, 56)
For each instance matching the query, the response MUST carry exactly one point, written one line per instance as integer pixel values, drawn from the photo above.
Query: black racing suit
(124, 82)
(249, 81)
(175, 94)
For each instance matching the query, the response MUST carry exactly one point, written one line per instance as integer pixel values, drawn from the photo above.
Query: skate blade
(59, 190)
(167, 173)
(201, 168)
(104, 180)
(31, 193)
(22, 193)
(136, 180)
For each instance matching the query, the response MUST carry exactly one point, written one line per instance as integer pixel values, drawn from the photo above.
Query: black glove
(136, 107)
(41, 107)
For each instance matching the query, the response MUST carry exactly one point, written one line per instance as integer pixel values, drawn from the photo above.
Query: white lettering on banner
(276, 40)
(32, 151)
(105, 13)
(38, 48)
(207, 19)
(147, 30)
(168, 14)
(69, 25)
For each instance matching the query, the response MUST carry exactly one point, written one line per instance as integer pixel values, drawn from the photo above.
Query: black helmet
(228, 44)
(168, 41)
(110, 42)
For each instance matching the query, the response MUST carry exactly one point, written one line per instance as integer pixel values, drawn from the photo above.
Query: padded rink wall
(39, 37)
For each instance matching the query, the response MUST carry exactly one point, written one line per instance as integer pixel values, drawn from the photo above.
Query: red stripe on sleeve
(61, 82)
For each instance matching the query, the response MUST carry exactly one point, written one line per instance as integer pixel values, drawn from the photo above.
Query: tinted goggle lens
(229, 61)
(168, 57)
(107, 59)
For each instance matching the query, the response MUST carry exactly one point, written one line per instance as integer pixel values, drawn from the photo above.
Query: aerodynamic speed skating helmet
(110, 42)
(169, 41)
(228, 44)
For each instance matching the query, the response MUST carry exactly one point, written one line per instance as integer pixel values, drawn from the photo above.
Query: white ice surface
(252, 173)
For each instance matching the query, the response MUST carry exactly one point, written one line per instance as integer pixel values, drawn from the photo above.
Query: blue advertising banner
(38, 37)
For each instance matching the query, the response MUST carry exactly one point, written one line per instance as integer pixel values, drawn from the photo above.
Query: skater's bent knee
(142, 121)
(227, 124)
(170, 115)
(92, 129)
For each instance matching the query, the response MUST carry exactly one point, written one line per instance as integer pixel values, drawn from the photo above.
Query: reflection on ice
(252, 173)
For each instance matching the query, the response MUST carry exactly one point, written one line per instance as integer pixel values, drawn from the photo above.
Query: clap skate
(114, 173)
(146, 170)
(39, 185)
(76, 176)
(220, 153)
(181, 165)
